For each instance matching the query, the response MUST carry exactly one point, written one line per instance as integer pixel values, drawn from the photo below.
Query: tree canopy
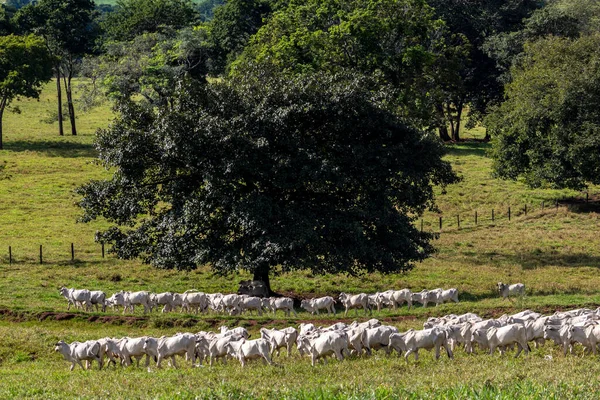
(548, 129)
(25, 65)
(302, 172)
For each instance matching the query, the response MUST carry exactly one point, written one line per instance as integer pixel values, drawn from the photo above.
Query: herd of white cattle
(467, 331)
(234, 304)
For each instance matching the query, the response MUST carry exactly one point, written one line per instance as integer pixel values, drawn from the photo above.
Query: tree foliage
(25, 66)
(548, 129)
(135, 17)
(302, 172)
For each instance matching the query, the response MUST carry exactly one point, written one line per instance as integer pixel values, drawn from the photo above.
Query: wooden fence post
(492, 215)
(72, 252)
(556, 204)
(421, 226)
(41, 258)
(509, 213)
(458, 221)
(587, 197)
(525, 209)
(9, 255)
(475, 217)
(102, 249)
(440, 223)
(542, 206)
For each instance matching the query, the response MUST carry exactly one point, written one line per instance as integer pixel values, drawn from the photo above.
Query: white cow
(76, 297)
(402, 296)
(278, 339)
(248, 303)
(117, 300)
(282, 303)
(425, 296)
(243, 332)
(77, 352)
(250, 349)
(137, 298)
(507, 335)
(306, 328)
(411, 341)
(355, 301)
(231, 304)
(517, 289)
(134, 348)
(194, 300)
(447, 296)
(314, 305)
(326, 344)
(218, 347)
(109, 348)
(163, 299)
(378, 338)
(98, 297)
(183, 344)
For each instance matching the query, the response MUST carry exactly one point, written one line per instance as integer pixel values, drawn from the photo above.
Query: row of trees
(297, 133)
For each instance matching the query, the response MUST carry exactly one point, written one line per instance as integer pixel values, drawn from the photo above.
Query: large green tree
(25, 66)
(135, 17)
(68, 29)
(301, 172)
(548, 129)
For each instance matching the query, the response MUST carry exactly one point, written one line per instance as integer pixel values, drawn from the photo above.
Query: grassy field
(554, 251)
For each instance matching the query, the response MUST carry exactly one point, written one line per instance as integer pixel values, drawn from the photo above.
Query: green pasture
(555, 251)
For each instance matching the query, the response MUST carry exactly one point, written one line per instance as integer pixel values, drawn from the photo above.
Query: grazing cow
(500, 337)
(355, 301)
(314, 305)
(137, 298)
(218, 347)
(411, 341)
(250, 349)
(194, 300)
(76, 297)
(248, 303)
(326, 344)
(282, 303)
(77, 352)
(517, 289)
(134, 348)
(183, 344)
(378, 338)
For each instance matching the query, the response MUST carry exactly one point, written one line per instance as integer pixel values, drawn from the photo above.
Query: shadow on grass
(51, 148)
(478, 149)
(538, 259)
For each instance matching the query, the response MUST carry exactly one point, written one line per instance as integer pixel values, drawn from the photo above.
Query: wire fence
(438, 223)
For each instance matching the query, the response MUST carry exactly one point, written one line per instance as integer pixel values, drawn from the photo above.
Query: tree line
(300, 134)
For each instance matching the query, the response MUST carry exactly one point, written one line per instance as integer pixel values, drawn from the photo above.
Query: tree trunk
(61, 131)
(69, 92)
(443, 128)
(262, 274)
(2, 107)
(456, 127)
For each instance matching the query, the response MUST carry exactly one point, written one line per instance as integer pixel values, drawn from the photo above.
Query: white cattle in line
(535, 330)
(77, 352)
(517, 289)
(460, 334)
(285, 304)
(98, 297)
(76, 297)
(183, 344)
(218, 347)
(355, 301)
(214, 301)
(109, 348)
(245, 350)
(559, 334)
(400, 297)
(587, 335)
(314, 305)
(133, 299)
(117, 300)
(163, 299)
(411, 341)
(231, 304)
(194, 300)
(447, 296)
(508, 335)
(326, 344)
(306, 328)
(425, 296)
(134, 348)
(248, 303)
